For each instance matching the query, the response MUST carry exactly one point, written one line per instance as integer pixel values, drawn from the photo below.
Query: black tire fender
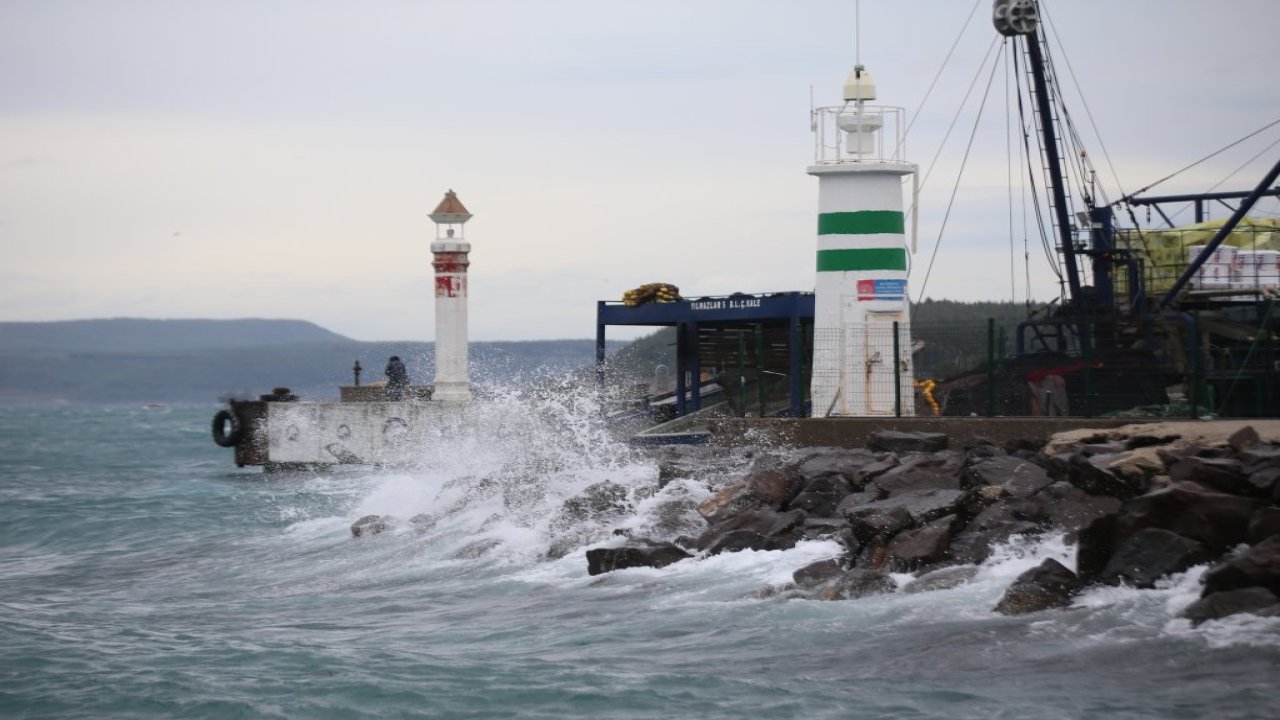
(221, 435)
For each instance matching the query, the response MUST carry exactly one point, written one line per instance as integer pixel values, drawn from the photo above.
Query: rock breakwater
(1138, 502)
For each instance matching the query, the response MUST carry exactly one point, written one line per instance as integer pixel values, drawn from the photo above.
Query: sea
(143, 575)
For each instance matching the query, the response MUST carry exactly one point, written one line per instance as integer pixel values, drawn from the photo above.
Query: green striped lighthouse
(859, 368)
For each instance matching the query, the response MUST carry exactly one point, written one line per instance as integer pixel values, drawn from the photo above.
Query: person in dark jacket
(397, 379)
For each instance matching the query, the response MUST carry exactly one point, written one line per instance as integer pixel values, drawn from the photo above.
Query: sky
(278, 158)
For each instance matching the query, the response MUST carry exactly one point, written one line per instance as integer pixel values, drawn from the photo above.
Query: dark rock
(921, 472)
(1265, 523)
(1244, 438)
(601, 501)
(844, 464)
(1095, 544)
(817, 504)
(729, 501)
(857, 583)
(900, 442)
(921, 505)
(761, 521)
(1017, 477)
(982, 451)
(1092, 475)
(874, 470)
(1025, 445)
(423, 522)
(869, 522)
(818, 573)
(476, 549)
(739, 540)
(1149, 555)
(922, 546)
(942, 579)
(1218, 520)
(775, 487)
(1259, 566)
(1141, 441)
(1110, 447)
(635, 553)
(1068, 508)
(1048, 585)
(994, 526)
(1222, 604)
(1223, 474)
(370, 525)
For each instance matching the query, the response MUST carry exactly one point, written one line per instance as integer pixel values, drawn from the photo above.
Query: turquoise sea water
(143, 576)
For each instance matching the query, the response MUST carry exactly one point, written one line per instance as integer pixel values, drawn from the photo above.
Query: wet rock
(868, 522)
(873, 470)
(1265, 523)
(982, 451)
(476, 549)
(857, 583)
(1223, 474)
(816, 574)
(942, 579)
(994, 526)
(925, 545)
(1259, 566)
(1015, 476)
(423, 522)
(1149, 555)
(1094, 476)
(921, 472)
(844, 464)
(1244, 438)
(1068, 508)
(739, 540)
(1217, 520)
(1048, 585)
(821, 496)
(601, 502)
(775, 487)
(635, 553)
(921, 505)
(729, 501)
(762, 521)
(901, 442)
(370, 525)
(1255, 600)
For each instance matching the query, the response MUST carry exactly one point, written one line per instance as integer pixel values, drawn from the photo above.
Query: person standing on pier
(397, 379)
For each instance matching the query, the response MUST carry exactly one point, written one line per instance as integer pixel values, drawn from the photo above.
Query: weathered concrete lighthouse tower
(450, 249)
(862, 263)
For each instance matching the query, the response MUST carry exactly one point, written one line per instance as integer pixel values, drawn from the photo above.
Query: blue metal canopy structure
(699, 321)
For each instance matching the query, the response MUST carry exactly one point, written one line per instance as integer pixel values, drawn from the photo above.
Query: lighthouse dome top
(450, 211)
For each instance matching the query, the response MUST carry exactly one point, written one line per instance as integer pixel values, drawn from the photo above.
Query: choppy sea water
(143, 576)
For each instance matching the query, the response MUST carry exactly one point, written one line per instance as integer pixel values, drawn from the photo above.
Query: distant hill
(135, 335)
(203, 360)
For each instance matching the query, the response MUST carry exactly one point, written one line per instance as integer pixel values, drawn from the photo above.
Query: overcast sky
(277, 158)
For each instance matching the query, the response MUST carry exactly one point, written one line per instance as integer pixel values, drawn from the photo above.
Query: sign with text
(882, 289)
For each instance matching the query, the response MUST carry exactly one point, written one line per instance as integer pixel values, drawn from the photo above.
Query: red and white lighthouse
(450, 250)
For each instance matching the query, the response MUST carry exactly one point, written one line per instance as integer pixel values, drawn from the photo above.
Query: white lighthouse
(449, 251)
(862, 258)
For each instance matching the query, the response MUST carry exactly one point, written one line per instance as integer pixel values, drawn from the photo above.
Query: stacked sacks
(652, 292)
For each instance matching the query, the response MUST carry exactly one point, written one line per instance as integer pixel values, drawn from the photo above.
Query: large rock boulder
(923, 546)
(920, 505)
(1222, 474)
(1217, 520)
(847, 465)
(1149, 555)
(635, 553)
(942, 579)
(774, 487)
(1048, 585)
(762, 521)
(920, 471)
(1256, 600)
(901, 442)
(1067, 508)
(857, 583)
(1014, 476)
(370, 525)
(730, 500)
(821, 496)
(1259, 566)
(993, 526)
(817, 574)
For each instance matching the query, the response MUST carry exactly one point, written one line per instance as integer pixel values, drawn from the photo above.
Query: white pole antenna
(857, 33)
